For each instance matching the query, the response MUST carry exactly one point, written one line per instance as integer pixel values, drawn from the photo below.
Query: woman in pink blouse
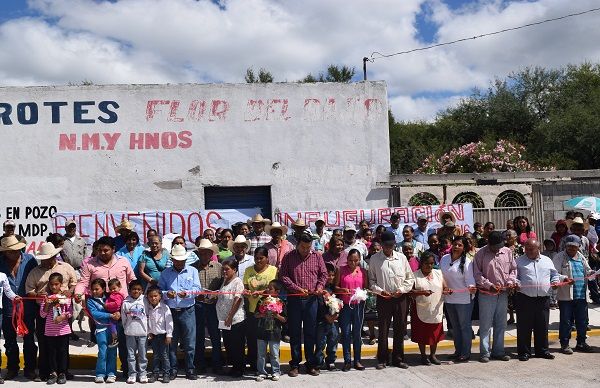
(523, 229)
(350, 277)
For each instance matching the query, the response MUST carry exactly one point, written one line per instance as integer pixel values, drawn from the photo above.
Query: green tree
(263, 76)
(334, 73)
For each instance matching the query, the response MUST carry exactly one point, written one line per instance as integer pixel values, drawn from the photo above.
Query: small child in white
(6, 290)
(135, 324)
(160, 332)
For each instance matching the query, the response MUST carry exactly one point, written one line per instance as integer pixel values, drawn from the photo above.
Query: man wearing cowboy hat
(578, 228)
(298, 227)
(17, 265)
(9, 227)
(323, 235)
(181, 284)
(107, 265)
(278, 246)
(36, 286)
(211, 277)
(258, 237)
(123, 229)
(495, 272)
(75, 248)
(240, 247)
(350, 241)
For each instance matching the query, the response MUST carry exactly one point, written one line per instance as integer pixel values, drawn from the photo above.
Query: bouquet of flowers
(268, 306)
(57, 301)
(334, 304)
(360, 295)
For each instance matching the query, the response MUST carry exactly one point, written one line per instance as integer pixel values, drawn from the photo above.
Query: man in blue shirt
(17, 265)
(536, 275)
(395, 228)
(180, 285)
(422, 232)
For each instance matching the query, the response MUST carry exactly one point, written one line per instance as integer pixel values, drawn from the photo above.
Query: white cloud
(157, 41)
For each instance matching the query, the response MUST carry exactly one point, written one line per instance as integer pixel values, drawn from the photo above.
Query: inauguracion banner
(187, 223)
(462, 212)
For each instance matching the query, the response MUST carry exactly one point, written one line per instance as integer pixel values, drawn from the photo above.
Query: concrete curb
(88, 361)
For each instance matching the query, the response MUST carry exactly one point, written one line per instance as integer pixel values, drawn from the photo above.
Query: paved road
(578, 370)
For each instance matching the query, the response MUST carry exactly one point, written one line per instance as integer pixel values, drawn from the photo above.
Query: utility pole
(365, 59)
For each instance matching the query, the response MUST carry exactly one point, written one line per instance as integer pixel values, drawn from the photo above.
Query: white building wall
(322, 145)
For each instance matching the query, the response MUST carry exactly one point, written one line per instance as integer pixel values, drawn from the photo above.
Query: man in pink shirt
(495, 272)
(106, 265)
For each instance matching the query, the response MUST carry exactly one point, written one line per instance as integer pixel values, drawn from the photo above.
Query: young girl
(56, 308)
(135, 324)
(113, 304)
(349, 278)
(6, 290)
(269, 325)
(230, 312)
(160, 331)
(106, 365)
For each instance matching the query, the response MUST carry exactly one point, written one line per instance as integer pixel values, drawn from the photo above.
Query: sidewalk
(84, 357)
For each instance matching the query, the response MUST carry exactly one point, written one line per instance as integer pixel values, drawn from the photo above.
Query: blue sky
(169, 41)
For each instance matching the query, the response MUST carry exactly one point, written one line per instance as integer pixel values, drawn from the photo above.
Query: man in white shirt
(350, 241)
(391, 278)
(75, 249)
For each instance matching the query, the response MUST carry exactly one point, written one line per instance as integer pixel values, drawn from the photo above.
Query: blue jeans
(302, 319)
(184, 331)
(459, 316)
(261, 361)
(106, 365)
(351, 321)
(578, 307)
(10, 337)
(492, 315)
(160, 352)
(327, 340)
(136, 355)
(206, 318)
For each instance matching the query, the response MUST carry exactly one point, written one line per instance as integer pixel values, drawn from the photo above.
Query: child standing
(269, 325)
(327, 328)
(135, 325)
(113, 304)
(56, 308)
(160, 332)
(106, 365)
(6, 290)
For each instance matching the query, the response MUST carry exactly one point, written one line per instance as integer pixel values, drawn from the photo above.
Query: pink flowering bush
(503, 156)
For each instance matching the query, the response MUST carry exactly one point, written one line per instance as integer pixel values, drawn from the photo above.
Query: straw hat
(240, 239)
(299, 223)
(443, 214)
(125, 224)
(47, 251)
(11, 243)
(259, 218)
(276, 225)
(179, 253)
(206, 244)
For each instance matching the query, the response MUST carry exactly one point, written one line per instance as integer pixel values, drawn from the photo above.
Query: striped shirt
(578, 274)
(53, 329)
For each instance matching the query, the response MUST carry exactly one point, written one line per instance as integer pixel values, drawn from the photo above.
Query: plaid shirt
(298, 273)
(257, 241)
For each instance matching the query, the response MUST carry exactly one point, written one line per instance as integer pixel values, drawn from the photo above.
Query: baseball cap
(422, 217)
(9, 223)
(388, 237)
(350, 226)
(70, 222)
(573, 240)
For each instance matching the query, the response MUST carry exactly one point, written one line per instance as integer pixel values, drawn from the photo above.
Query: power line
(372, 58)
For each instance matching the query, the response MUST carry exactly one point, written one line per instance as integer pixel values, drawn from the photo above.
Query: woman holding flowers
(256, 280)
(349, 278)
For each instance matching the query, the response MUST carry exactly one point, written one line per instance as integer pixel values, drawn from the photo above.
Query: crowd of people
(255, 285)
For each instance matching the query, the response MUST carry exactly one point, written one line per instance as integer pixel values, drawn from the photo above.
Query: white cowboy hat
(240, 239)
(11, 243)
(299, 223)
(259, 218)
(206, 244)
(179, 253)
(125, 224)
(276, 225)
(47, 251)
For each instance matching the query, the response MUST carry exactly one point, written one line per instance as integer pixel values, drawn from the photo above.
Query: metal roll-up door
(238, 197)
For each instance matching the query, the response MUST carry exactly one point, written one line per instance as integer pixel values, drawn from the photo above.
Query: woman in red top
(349, 278)
(561, 231)
(523, 229)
